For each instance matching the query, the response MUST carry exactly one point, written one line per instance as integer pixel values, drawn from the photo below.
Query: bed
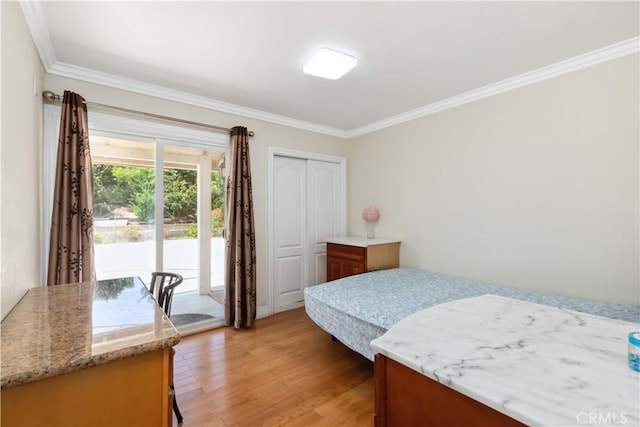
(358, 309)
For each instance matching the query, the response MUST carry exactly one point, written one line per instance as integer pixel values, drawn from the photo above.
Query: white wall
(267, 135)
(536, 188)
(22, 78)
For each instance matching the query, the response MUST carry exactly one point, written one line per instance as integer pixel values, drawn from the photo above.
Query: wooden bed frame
(404, 397)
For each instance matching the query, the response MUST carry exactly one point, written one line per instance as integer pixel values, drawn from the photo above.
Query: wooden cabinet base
(128, 392)
(404, 397)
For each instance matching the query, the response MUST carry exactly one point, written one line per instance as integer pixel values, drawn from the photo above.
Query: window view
(131, 241)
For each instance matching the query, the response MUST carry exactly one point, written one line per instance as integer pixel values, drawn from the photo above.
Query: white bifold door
(308, 207)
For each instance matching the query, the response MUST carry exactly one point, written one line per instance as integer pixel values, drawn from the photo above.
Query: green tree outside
(134, 186)
(180, 194)
(138, 186)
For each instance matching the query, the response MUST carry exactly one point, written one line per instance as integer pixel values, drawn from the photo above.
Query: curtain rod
(53, 97)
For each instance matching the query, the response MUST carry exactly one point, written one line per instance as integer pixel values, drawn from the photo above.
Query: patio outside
(124, 259)
(190, 312)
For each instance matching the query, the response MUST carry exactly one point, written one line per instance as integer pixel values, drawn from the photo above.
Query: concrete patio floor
(180, 256)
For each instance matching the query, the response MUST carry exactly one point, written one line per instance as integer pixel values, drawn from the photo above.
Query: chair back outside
(162, 287)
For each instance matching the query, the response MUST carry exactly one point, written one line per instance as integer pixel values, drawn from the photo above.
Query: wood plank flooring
(283, 371)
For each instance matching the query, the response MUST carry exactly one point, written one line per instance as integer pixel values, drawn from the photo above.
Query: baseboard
(263, 311)
(266, 310)
(289, 307)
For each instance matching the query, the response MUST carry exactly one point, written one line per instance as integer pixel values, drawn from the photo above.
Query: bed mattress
(361, 308)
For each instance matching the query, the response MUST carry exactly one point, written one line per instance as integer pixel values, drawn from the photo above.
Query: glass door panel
(180, 229)
(124, 201)
(188, 199)
(217, 228)
(136, 183)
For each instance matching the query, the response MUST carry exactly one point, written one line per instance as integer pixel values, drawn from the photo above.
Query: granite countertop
(362, 242)
(538, 364)
(60, 329)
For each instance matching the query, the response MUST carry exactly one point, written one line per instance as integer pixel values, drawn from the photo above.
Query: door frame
(272, 152)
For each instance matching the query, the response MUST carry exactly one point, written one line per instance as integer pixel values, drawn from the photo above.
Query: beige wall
(535, 188)
(267, 135)
(20, 159)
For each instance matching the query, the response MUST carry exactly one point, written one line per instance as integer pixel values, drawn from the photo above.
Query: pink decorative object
(370, 214)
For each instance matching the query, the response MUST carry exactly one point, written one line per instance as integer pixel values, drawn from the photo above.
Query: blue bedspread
(360, 308)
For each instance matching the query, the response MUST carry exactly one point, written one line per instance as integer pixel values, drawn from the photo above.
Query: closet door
(324, 214)
(290, 230)
(308, 207)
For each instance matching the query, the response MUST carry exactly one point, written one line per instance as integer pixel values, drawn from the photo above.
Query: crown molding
(589, 59)
(37, 24)
(34, 17)
(130, 85)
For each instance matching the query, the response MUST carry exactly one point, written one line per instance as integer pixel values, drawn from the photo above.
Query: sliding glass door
(159, 207)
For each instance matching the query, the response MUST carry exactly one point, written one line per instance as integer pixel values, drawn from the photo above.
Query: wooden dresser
(347, 256)
(87, 354)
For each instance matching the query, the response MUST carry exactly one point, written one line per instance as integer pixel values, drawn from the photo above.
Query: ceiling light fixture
(329, 64)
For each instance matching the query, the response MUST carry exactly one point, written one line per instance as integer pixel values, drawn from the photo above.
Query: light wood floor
(284, 371)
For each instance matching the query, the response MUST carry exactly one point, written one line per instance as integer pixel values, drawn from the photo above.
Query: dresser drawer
(344, 259)
(346, 252)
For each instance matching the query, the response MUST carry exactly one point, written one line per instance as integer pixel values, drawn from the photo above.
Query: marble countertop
(59, 329)
(362, 242)
(537, 364)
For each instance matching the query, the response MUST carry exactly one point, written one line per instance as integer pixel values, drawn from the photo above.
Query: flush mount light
(329, 64)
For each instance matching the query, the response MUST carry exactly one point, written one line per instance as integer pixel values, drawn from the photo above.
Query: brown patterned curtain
(71, 257)
(240, 257)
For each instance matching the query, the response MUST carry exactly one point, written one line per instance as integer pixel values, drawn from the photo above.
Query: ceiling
(247, 57)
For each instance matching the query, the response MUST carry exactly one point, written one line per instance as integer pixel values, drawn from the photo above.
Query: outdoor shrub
(97, 238)
(191, 231)
(101, 209)
(143, 204)
(217, 189)
(216, 218)
(131, 232)
(217, 222)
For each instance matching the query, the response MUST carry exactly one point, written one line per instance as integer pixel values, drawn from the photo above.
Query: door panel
(290, 269)
(289, 203)
(289, 210)
(324, 214)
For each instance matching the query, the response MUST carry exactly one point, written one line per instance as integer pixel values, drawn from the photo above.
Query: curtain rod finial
(50, 96)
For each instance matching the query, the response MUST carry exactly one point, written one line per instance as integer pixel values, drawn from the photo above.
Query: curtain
(240, 257)
(71, 256)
